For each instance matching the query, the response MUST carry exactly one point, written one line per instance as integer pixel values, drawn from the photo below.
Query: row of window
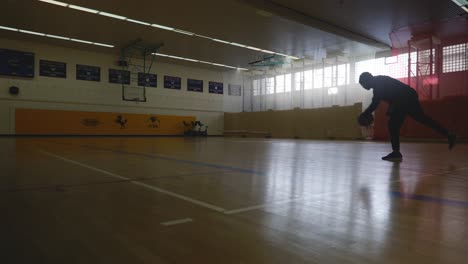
(397, 66)
(455, 58)
(328, 77)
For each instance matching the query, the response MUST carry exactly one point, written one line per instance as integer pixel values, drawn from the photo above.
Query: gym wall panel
(57, 122)
(5, 117)
(75, 95)
(320, 123)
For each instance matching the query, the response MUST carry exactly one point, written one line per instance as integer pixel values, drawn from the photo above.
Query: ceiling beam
(303, 18)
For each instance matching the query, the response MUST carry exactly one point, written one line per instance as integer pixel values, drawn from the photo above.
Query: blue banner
(119, 76)
(52, 69)
(195, 85)
(215, 87)
(171, 82)
(88, 73)
(16, 63)
(147, 79)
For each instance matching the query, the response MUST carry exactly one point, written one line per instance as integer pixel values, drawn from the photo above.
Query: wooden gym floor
(175, 200)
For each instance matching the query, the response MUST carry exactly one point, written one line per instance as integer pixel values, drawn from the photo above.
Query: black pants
(413, 109)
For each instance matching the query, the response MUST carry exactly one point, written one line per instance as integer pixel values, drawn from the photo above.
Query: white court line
(185, 198)
(177, 222)
(260, 206)
(242, 141)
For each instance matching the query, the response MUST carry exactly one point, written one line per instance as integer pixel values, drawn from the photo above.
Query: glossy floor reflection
(215, 200)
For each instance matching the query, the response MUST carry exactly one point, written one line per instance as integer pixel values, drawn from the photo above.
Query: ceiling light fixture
(253, 48)
(287, 56)
(103, 45)
(221, 41)
(268, 51)
(176, 57)
(201, 36)
(198, 61)
(238, 45)
(9, 28)
(112, 15)
(192, 60)
(31, 32)
(85, 9)
(462, 3)
(162, 27)
(138, 22)
(89, 10)
(54, 2)
(56, 37)
(205, 62)
(184, 32)
(81, 41)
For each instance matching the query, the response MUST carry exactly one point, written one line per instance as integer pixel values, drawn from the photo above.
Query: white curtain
(308, 84)
(304, 86)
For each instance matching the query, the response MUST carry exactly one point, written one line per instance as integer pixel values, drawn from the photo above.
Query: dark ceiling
(311, 29)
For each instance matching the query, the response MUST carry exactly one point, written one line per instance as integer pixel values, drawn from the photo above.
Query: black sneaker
(394, 156)
(452, 138)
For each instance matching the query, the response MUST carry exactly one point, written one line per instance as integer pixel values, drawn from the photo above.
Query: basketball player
(403, 101)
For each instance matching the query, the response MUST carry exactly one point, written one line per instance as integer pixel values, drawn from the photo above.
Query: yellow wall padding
(59, 122)
(338, 122)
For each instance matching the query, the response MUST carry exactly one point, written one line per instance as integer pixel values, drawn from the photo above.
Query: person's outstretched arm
(371, 108)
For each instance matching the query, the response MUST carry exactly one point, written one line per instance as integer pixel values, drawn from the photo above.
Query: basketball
(365, 120)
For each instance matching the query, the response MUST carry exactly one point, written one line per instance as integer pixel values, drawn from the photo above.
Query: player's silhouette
(403, 101)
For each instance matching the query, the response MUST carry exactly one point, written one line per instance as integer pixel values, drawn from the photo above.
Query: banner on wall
(195, 85)
(57, 122)
(147, 79)
(119, 76)
(88, 73)
(172, 82)
(16, 63)
(52, 69)
(215, 87)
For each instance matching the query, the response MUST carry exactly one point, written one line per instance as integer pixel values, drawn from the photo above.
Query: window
(308, 80)
(287, 79)
(396, 66)
(298, 80)
(455, 58)
(391, 60)
(424, 58)
(328, 78)
(256, 87)
(374, 66)
(280, 84)
(270, 85)
(318, 78)
(343, 73)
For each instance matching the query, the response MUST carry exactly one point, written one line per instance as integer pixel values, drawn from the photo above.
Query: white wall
(71, 94)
